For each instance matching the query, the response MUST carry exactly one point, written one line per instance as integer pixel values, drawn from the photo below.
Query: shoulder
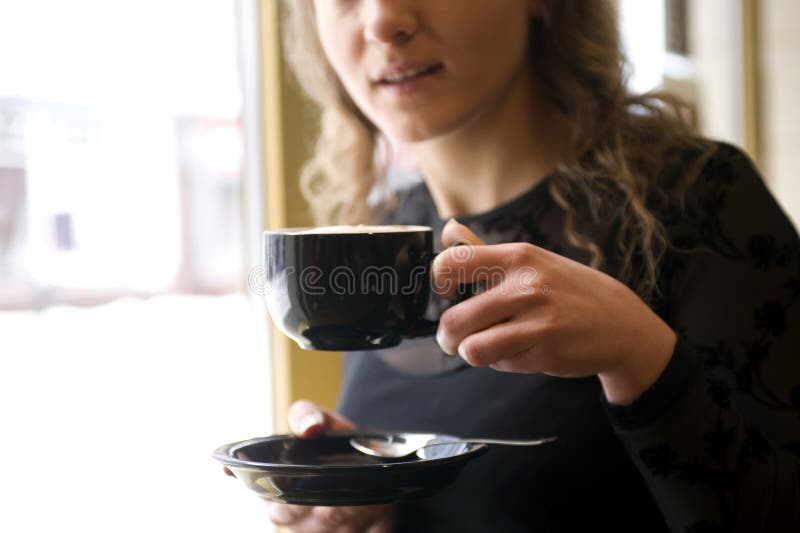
(724, 218)
(729, 210)
(728, 185)
(725, 166)
(708, 180)
(697, 162)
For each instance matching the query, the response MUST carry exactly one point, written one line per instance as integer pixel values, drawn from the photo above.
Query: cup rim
(311, 230)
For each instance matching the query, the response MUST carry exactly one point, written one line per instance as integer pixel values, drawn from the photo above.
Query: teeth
(400, 76)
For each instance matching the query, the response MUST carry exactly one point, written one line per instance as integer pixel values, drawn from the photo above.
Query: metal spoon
(405, 444)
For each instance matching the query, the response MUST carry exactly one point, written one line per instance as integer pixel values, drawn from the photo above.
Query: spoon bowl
(398, 446)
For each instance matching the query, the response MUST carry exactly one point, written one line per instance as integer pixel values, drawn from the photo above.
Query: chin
(416, 129)
(411, 135)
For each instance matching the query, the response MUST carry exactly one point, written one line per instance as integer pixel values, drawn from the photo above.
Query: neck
(496, 156)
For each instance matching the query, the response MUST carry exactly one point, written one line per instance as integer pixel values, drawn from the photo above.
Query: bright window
(130, 347)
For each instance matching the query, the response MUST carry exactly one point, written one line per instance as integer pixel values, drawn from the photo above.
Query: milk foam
(352, 229)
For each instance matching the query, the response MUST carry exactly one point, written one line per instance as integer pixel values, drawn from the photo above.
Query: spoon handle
(529, 442)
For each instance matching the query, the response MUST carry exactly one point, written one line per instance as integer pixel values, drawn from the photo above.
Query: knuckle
(488, 275)
(526, 361)
(525, 252)
(552, 316)
(449, 321)
(473, 352)
(514, 255)
(548, 326)
(330, 516)
(442, 262)
(525, 281)
(463, 252)
(282, 514)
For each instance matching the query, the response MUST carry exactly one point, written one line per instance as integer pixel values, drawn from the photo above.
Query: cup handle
(426, 328)
(423, 328)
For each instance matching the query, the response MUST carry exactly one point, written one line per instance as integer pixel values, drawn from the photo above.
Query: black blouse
(713, 445)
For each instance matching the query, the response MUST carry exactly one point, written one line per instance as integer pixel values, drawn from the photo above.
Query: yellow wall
(778, 58)
(288, 136)
(745, 56)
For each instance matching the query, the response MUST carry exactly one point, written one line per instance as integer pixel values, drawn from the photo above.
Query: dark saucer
(328, 471)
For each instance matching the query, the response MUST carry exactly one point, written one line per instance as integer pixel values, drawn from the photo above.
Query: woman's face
(419, 69)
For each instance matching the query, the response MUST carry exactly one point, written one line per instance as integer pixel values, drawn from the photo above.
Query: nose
(389, 21)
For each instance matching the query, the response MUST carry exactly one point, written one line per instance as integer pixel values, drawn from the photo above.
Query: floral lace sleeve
(717, 438)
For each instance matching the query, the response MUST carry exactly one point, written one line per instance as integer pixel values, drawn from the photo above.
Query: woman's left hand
(542, 312)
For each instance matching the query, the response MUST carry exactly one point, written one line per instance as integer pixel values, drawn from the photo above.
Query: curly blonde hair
(619, 147)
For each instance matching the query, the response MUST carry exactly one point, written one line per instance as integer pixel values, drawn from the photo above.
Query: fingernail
(440, 340)
(311, 420)
(461, 351)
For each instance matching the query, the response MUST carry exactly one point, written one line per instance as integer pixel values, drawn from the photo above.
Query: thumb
(308, 420)
(454, 233)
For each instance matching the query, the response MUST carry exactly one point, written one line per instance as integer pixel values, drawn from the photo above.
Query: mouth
(407, 73)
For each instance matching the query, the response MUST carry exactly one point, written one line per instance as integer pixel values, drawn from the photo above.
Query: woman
(658, 337)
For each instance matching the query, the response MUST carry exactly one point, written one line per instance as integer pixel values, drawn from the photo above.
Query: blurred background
(144, 145)
(129, 348)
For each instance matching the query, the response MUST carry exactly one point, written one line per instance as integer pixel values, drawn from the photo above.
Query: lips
(406, 72)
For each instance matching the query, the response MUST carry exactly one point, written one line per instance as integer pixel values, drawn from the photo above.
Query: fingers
(489, 265)
(499, 343)
(308, 420)
(299, 518)
(457, 233)
(477, 313)
(520, 363)
(344, 518)
(283, 514)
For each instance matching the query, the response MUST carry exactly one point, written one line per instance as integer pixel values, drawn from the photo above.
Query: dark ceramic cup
(349, 287)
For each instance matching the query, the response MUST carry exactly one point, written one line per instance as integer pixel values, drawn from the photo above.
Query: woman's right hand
(308, 420)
